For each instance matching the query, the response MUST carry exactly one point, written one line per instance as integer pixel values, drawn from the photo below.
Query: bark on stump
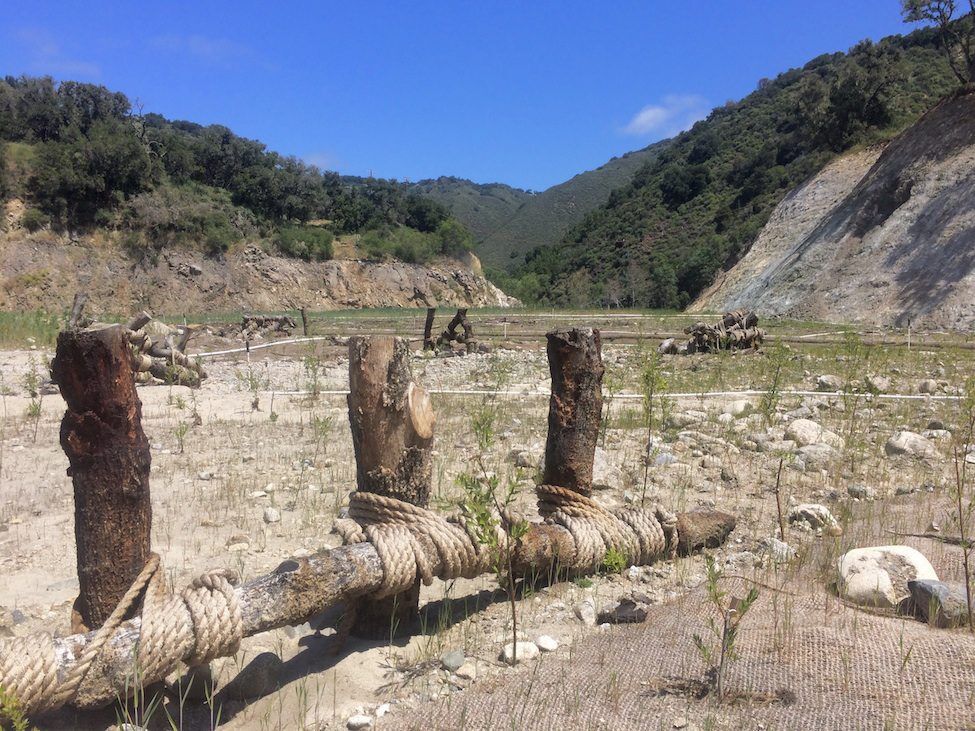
(575, 408)
(428, 343)
(108, 454)
(392, 433)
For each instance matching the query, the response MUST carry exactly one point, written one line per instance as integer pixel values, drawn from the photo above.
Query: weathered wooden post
(392, 434)
(108, 454)
(428, 343)
(304, 322)
(575, 408)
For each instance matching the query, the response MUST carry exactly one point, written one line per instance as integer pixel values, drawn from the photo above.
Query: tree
(957, 36)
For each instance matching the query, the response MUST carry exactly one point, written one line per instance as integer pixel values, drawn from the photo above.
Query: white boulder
(878, 576)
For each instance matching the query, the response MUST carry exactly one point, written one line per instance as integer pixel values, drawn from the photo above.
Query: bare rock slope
(879, 236)
(44, 271)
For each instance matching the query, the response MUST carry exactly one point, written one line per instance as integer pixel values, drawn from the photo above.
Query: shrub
(34, 220)
(310, 243)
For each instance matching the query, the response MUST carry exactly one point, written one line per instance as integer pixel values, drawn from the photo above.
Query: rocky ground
(254, 467)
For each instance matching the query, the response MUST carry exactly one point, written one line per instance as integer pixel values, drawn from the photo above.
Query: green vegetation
(698, 204)
(83, 159)
(417, 247)
(508, 222)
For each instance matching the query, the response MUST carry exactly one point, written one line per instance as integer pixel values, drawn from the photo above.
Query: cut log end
(421, 411)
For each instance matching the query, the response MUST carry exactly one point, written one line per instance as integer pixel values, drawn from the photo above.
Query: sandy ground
(257, 447)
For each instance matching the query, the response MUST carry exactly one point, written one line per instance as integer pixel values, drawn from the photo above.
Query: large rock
(937, 603)
(878, 576)
(805, 432)
(909, 443)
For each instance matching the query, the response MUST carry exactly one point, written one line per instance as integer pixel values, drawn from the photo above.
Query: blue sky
(526, 93)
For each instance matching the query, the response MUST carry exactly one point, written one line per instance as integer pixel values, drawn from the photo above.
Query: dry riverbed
(253, 468)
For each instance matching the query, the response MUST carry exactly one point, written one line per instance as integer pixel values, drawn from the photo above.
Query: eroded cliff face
(44, 271)
(879, 236)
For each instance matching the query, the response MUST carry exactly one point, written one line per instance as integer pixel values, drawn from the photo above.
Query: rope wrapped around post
(199, 624)
(412, 541)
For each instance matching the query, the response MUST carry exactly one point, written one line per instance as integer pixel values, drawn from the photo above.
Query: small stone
(358, 721)
(467, 671)
(928, 385)
(909, 443)
(805, 432)
(741, 407)
(905, 490)
(546, 643)
(861, 492)
(829, 383)
(680, 722)
(257, 494)
(812, 515)
(780, 551)
(383, 709)
(272, 515)
(452, 660)
(525, 460)
(626, 611)
(586, 612)
(877, 384)
(525, 651)
(258, 678)
(937, 603)
(205, 476)
(238, 547)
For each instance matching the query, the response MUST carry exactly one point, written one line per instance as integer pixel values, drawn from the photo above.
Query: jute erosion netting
(835, 667)
(807, 661)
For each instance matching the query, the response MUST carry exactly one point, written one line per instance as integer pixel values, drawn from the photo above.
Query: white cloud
(674, 114)
(46, 56)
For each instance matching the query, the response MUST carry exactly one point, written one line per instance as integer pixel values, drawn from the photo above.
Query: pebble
(453, 660)
(586, 612)
(272, 515)
(525, 651)
(546, 643)
(205, 476)
(626, 611)
(360, 720)
(937, 603)
(467, 671)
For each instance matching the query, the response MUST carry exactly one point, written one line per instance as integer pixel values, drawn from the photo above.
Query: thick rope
(203, 622)
(413, 542)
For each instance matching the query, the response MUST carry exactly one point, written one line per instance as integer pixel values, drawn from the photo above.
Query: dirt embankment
(44, 270)
(878, 236)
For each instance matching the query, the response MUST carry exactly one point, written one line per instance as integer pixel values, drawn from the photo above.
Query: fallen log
(300, 589)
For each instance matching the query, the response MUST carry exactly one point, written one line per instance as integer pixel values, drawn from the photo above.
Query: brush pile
(736, 330)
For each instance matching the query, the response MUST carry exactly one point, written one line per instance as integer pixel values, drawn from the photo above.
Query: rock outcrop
(43, 271)
(879, 236)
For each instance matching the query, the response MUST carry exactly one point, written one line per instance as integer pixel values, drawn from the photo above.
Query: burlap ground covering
(845, 668)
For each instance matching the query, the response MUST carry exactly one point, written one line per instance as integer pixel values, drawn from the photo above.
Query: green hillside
(508, 222)
(483, 208)
(699, 203)
(82, 159)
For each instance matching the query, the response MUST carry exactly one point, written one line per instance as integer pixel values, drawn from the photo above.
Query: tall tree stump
(392, 433)
(108, 457)
(575, 407)
(428, 343)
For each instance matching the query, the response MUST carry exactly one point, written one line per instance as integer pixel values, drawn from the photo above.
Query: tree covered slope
(696, 207)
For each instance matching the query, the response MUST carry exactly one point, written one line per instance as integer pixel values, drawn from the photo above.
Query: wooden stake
(108, 454)
(575, 408)
(428, 343)
(392, 434)
(304, 322)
